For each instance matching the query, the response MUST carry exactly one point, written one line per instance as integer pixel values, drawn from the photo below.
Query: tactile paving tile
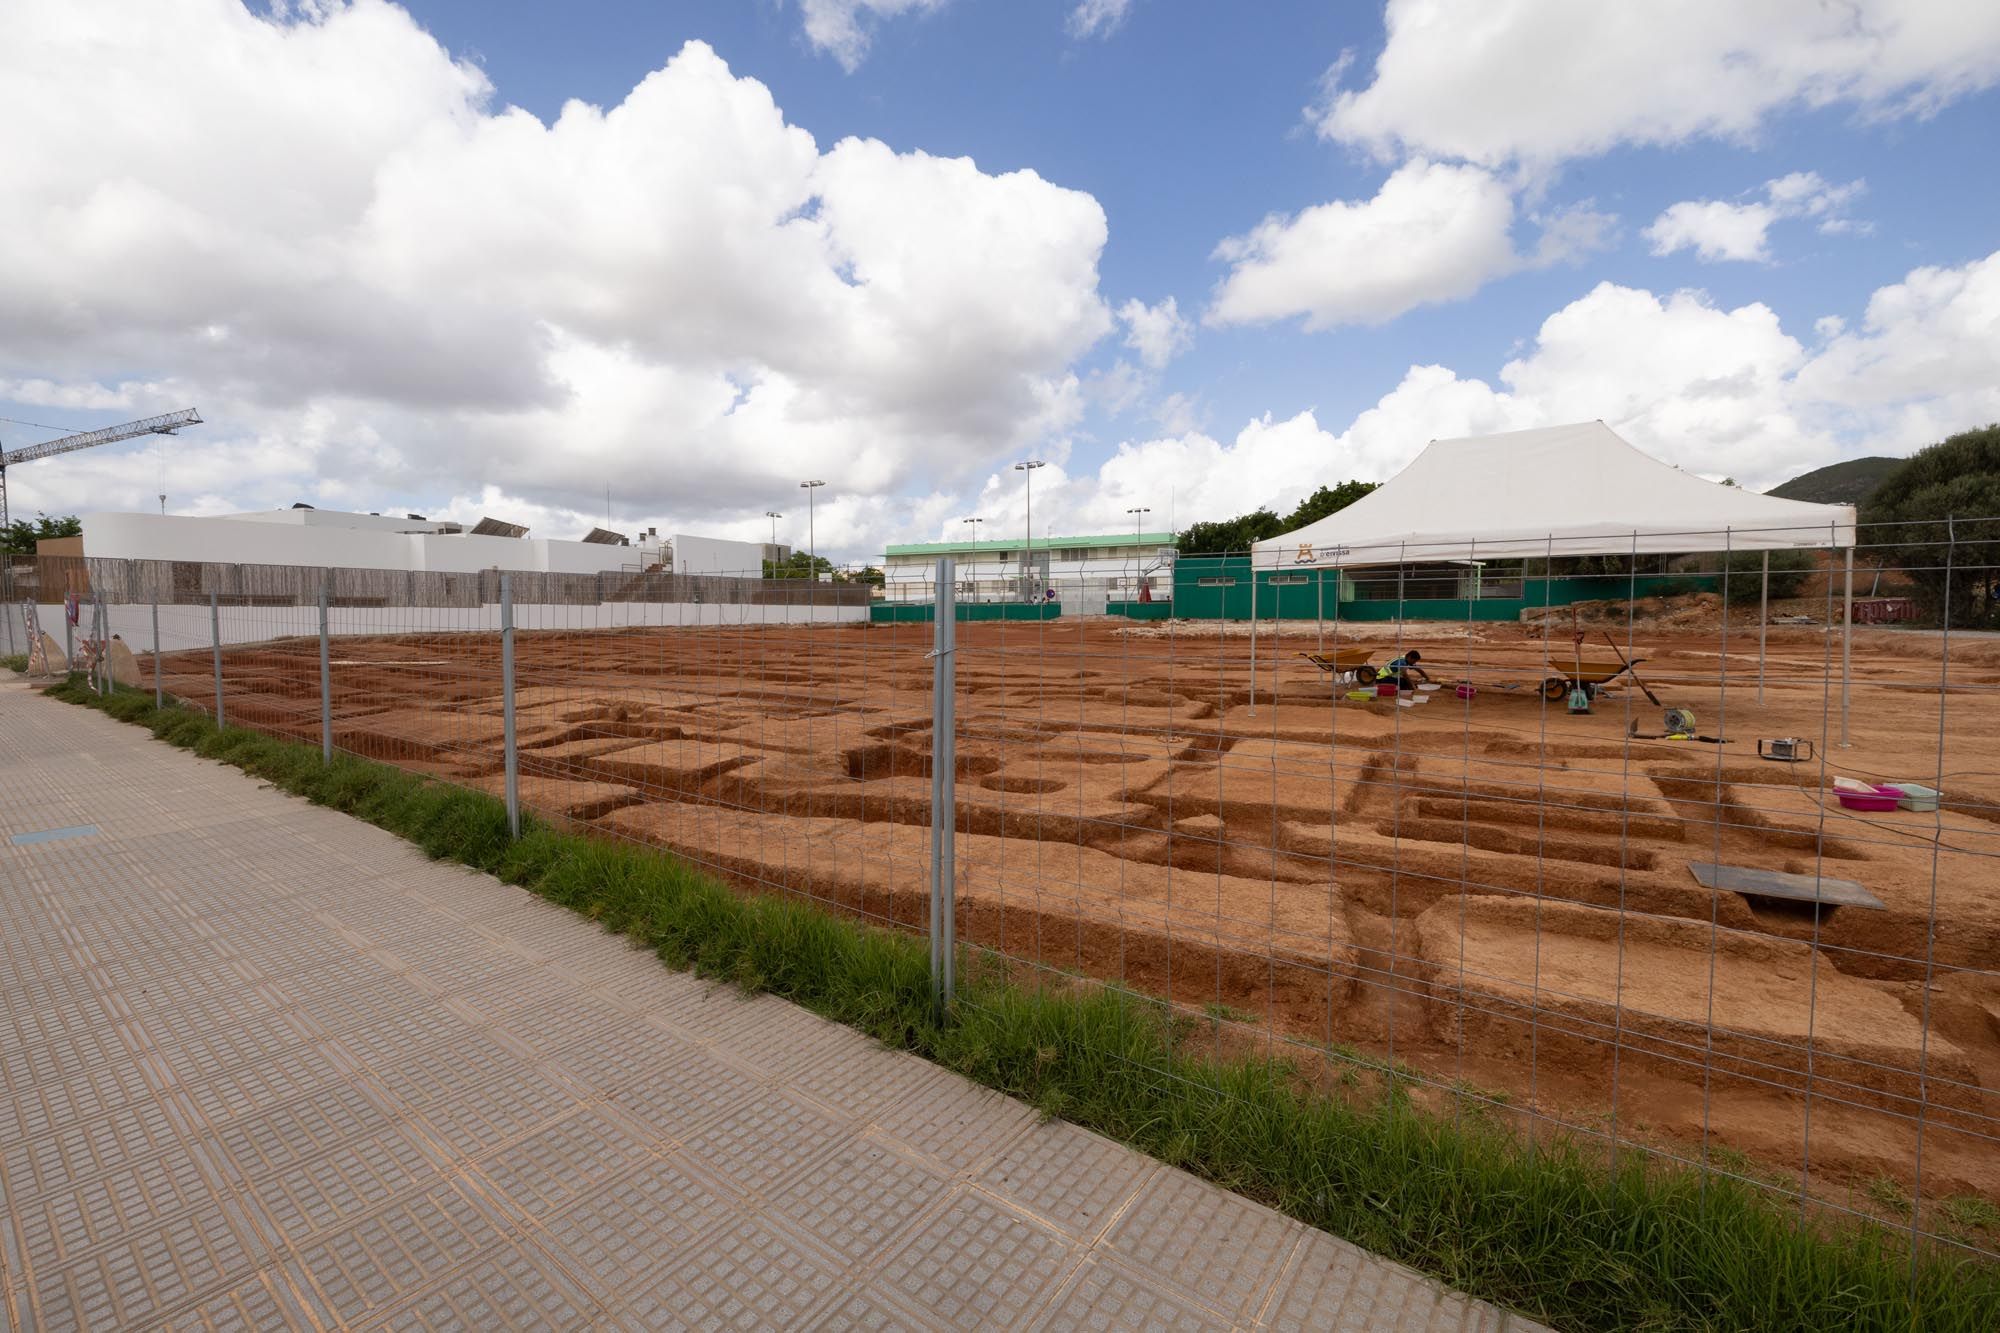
(1068, 1176)
(749, 1277)
(322, 1192)
(1107, 1296)
(391, 1038)
(864, 1082)
(861, 1200)
(627, 1049)
(220, 1049)
(247, 1089)
(374, 1002)
(765, 1139)
(1223, 1250)
(510, 1287)
(521, 986)
(437, 1072)
(472, 1120)
(67, 1221)
(674, 1100)
(257, 1146)
(85, 1095)
(38, 1064)
(629, 1227)
(961, 1126)
(559, 1163)
(372, 1263)
(876, 1314)
(468, 966)
(1334, 1287)
(80, 1151)
(170, 1025)
(129, 1282)
(263, 1302)
(768, 1033)
(977, 1265)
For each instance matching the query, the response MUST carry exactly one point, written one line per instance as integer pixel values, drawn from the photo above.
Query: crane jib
(164, 424)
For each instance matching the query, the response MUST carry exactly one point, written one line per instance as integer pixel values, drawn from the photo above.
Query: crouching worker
(1404, 671)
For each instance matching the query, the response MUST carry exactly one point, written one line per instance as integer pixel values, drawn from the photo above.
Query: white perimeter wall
(184, 627)
(253, 542)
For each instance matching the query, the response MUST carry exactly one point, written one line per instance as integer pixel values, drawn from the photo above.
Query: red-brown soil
(1490, 890)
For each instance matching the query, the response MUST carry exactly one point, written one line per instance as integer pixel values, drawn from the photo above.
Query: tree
(797, 565)
(867, 574)
(1327, 500)
(1240, 533)
(20, 536)
(1789, 571)
(1232, 534)
(1937, 518)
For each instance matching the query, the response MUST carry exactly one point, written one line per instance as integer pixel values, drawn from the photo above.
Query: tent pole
(1846, 648)
(1763, 622)
(1319, 613)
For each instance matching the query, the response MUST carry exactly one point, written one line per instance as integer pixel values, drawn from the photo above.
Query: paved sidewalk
(267, 1066)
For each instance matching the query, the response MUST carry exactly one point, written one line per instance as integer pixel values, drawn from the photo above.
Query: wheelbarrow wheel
(1555, 689)
(1365, 675)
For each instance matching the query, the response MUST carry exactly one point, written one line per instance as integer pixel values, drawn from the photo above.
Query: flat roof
(1038, 544)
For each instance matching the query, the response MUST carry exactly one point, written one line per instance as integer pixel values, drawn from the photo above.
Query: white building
(718, 555)
(1085, 572)
(325, 537)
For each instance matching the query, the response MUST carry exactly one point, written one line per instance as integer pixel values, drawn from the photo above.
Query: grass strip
(1548, 1229)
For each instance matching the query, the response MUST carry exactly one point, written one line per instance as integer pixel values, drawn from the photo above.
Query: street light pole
(1028, 552)
(774, 516)
(812, 542)
(1138, 531)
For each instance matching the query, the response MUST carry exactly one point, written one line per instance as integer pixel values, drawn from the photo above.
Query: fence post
(944, 785)
(7, 591)
(105, 683)
(159, 690)
(215, 640)
(325, 680)
(1763, 621)
(513, 758)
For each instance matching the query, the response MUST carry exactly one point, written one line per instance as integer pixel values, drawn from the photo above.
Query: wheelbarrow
(1589, 673)
(1343, 663)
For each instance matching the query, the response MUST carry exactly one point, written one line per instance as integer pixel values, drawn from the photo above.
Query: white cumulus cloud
(1718, 229)
(1158, 333)
(844, 29)
(320, 229)
(1434, 232)
(1097, 18)
(1540, 81)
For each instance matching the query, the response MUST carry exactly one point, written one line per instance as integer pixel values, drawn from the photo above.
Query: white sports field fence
(1662, 853)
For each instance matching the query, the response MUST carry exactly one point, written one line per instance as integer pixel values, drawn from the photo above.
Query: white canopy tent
(1559, 491)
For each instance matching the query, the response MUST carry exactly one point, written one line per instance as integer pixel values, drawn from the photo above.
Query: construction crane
(90, 439)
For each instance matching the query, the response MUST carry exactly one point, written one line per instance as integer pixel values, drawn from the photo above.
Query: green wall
(896, 613)
(1330, 594)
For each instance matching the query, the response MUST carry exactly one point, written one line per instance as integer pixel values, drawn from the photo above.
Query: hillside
(1838, 483)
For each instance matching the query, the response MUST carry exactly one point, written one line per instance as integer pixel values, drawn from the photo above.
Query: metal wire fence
(1591, 869)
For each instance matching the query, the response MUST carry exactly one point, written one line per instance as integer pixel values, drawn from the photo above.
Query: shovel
(1633, 671)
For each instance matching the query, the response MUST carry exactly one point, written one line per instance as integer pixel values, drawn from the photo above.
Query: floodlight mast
(165, 424)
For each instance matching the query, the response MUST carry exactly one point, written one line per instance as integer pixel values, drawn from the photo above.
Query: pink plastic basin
(1883, 798)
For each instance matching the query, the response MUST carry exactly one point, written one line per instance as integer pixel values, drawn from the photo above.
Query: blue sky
(386, 291)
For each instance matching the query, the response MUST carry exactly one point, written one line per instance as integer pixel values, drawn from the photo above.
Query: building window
(1290, 578)
(1215, 581)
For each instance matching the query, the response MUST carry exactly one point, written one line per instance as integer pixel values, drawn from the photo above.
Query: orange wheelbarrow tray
(1346, 662)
